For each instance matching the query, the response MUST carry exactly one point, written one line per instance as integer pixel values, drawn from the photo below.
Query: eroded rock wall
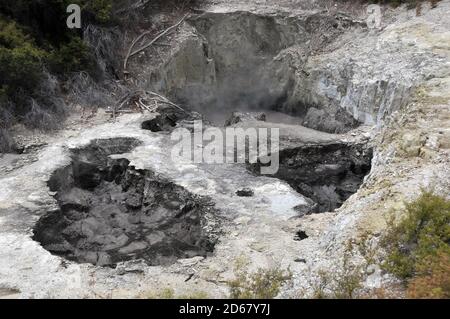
(245, 60)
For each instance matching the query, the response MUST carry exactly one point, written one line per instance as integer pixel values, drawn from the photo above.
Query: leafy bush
(422, 233)
(20, 60)
(71, 57)
(263, 284)
(43, 31)
(99, 10)
(34, 37)
(419, 245)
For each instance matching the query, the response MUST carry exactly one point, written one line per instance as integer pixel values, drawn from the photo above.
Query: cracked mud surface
(111, 212)
(327, 174)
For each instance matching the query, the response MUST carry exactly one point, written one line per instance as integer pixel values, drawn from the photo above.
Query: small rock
(103, 259)
(300, 260)
(191, 261)
(135, 266)
(411, 144)
(301, 235)
(323, 121)
(238, 117)
(245, 192)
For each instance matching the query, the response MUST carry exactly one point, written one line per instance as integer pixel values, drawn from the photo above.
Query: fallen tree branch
(166, 101)
(141, 100)
(159, 36)
(135, 41)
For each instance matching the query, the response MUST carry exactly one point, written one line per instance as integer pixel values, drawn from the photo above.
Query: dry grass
(262, 284)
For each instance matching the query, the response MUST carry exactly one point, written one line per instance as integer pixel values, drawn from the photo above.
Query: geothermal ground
(101, 210)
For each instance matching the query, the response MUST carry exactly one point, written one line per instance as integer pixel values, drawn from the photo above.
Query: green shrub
(20, 60)
(41, 16)
(101, 10)
(34, 37)
(73, 56)
(39, 28)
(424, 232)
(418, 252)
(263, 284)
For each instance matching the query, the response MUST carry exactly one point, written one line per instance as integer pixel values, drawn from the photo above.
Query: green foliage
(348, 281)
(45, 16)
(33, 37)
(343, 284)
(263, 284)
(422, 234)
(418, 252)
(42, 26)
(71, 57)
(20, 60)
(101, 10)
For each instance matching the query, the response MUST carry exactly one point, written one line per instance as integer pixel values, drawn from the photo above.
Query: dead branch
(135, 41)
(142, 100)
(163, 99)
(159, 36)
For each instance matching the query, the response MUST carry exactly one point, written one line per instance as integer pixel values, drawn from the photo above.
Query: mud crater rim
(236, 62)
(246, 52)
(110, 212)
(326, 175)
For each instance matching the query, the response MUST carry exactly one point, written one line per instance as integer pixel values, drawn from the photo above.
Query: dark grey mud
(111, 212)
(326, 174)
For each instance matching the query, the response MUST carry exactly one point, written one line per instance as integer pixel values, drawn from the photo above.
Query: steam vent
(237, 149)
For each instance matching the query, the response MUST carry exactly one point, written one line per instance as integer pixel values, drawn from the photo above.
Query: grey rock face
(322, 121)
(243, 60)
